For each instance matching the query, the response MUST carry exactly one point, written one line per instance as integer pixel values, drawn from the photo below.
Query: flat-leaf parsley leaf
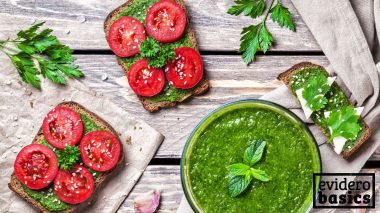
(54, 60)
(257, 37)
(344, 122)
(315, 90)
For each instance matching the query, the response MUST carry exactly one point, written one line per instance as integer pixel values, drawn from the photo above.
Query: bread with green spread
(45, 200)
(298, 77)
(169, 96)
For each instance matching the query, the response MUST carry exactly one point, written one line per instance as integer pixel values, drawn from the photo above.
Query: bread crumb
(128, 139)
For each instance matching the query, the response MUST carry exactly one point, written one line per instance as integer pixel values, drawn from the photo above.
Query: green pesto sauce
(46, 197)
(287, 160)
(336, 99)
(138, 10)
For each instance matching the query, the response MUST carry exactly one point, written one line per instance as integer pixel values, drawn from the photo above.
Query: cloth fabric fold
(347, 31)
(22, 111)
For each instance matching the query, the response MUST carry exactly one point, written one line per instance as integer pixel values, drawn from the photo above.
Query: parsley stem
(267, 12)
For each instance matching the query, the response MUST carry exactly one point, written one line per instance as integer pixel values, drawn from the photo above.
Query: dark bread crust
(286, 77)
(151, 106)
(16, 186)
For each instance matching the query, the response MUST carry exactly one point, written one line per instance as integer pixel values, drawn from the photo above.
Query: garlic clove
(147, 203)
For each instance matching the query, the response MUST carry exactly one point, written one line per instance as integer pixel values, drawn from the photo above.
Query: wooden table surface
(79, 24)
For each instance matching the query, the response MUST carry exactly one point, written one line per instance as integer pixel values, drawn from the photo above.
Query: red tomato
(186, 70)
(74, 186)
(36, 166)
(62, 126)
(144, 80)
(100, 150)
(125, 36)
(165, 21)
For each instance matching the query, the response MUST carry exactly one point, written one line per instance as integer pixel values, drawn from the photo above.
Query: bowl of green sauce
(289, 159)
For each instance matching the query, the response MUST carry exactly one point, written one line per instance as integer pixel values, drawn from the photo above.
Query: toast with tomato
(70, 158)
(141, 33)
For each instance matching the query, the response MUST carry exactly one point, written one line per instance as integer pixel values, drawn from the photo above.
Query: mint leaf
(237, 169)
(260, 175)
(254, 38)
(253, 8)
(254, 152)
(238, 184)
(315, 90)
(344, 123)
(282, 16)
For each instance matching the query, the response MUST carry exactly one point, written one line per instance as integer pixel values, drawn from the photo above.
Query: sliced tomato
(62, 126)
(36, 166)
(100, 150)
(165, 21)
(186, 70)
(125, 36)
(144, 80)
(74, 186)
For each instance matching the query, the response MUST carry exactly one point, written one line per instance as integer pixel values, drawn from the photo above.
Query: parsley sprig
(315, 90)
(34, 53)
(241, 174)
(68, 157)
(344, 123)
(156, 53)
(257, 37)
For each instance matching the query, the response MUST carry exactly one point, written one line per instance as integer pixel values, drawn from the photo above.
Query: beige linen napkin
(347, 33)
(22, 110)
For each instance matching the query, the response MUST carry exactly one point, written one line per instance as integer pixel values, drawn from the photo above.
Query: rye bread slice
(287, 76)
(16, 186)
(149, 105)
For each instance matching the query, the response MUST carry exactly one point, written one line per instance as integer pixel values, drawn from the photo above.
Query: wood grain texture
(167, 180)
(80, 23)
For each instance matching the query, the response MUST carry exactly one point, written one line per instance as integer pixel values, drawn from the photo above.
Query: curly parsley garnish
(40, 53)
(68, 157)
(257, 37)
(156, 53)
(315, 90)
(344, 123)
(241, 174)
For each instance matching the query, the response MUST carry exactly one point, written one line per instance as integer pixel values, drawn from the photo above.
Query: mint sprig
(241, 174)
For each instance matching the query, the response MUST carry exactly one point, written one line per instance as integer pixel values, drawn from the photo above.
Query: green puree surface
(287, 160)
(46, 197)
(336, 99)
(138, 10)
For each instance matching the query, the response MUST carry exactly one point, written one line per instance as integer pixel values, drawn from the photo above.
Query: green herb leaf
(259, 175)
(26, 68)
(156, 53)
(315, 90)
(238, 184)
(254, 152)
(68, 157)
(282, 16)
(254, 38)
(344, 122)
(54, 59)
(253, 8)
(237, 169)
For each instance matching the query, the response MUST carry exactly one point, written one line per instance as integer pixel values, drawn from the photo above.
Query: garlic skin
(147, 203)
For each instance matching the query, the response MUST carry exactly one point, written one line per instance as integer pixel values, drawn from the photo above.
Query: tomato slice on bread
(165, 21)
(186, 70)
(125, 36)
(144, 80)
(74, 186)
(100, 150)
(62, 126)
(36, 166)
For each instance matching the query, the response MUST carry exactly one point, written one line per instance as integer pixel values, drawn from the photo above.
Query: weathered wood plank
(80, 23)
(167, 180)
(231, 80)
